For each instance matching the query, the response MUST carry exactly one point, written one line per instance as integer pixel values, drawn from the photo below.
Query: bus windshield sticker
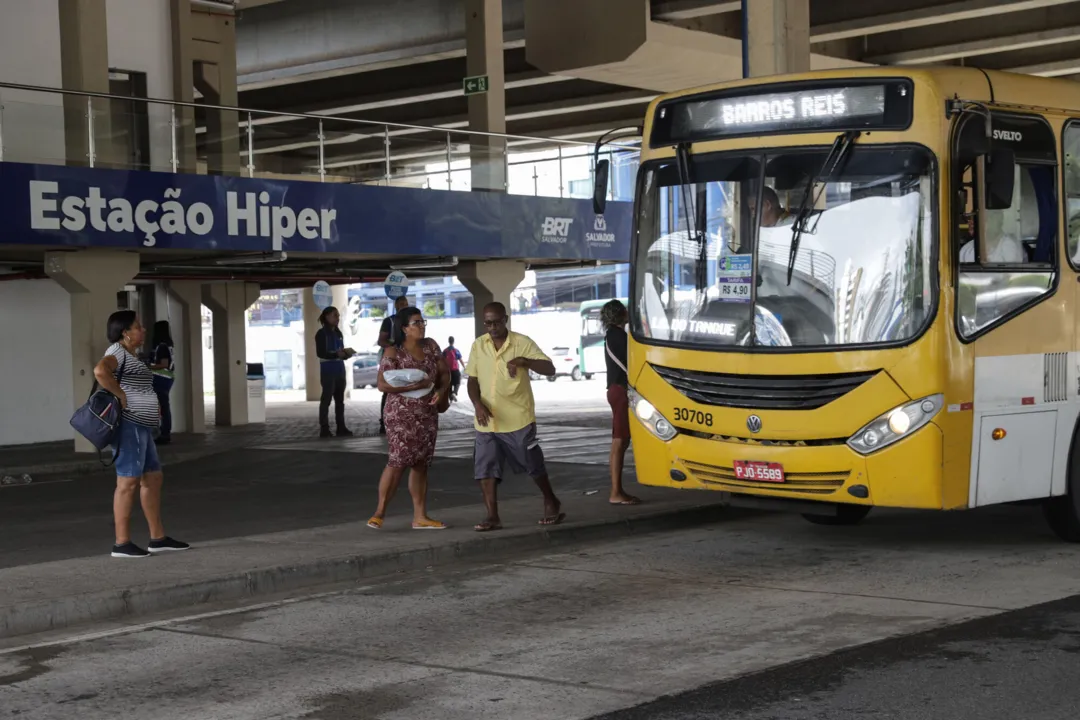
(733, 289)
(736, 266)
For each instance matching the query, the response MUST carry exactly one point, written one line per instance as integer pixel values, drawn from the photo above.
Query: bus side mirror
(600, 186)
(1000, 179)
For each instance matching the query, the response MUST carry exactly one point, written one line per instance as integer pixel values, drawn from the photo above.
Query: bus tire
(575, 374)
(845, 515)
(588, 376)
(1063, 513)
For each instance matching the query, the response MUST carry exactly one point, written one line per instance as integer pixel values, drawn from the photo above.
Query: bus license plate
(759, 471)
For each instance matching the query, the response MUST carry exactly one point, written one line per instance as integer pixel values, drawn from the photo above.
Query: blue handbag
(98, 420)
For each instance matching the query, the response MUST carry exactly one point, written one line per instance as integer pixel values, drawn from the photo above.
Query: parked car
(365, 370)
(566, 364)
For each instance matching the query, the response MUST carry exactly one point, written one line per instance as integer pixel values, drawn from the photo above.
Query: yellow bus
(858, 288)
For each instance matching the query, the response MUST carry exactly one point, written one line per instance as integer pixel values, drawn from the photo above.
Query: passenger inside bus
(1023, 233)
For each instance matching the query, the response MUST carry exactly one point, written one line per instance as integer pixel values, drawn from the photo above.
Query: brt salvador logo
(556, 230)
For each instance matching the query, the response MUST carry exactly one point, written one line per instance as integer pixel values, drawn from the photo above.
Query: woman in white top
(138, 469)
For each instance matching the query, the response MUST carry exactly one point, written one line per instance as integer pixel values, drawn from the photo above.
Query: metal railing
(43, 125)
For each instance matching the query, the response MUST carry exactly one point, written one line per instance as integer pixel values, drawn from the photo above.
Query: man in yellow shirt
(501, 392)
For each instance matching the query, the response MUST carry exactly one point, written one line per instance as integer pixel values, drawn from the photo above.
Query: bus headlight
(650, 417)
(895, 424)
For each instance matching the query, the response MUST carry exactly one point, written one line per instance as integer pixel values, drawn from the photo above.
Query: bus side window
(1072, 190)
(1020, 240)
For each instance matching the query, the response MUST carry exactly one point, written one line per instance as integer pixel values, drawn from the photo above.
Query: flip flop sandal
(375, 523)
(631, 501)
(552, 519)
(487, 526)
(429, 525)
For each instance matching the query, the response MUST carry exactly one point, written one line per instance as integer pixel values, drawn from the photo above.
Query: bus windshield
(714, 253)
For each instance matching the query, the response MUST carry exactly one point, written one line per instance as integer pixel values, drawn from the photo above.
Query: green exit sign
(476, 85)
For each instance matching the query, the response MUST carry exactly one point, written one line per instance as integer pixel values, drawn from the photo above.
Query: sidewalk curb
(29, 618)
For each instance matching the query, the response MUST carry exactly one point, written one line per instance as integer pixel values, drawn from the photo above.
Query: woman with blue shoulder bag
(138, 469)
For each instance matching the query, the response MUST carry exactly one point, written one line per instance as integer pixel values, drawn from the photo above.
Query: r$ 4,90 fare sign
(397, 285)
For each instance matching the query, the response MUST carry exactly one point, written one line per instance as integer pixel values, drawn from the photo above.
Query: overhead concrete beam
(1058, 68)
(922, 17)
(413, 97)
(617, 42)
(307, 39)
(690, 9)
(988, 46)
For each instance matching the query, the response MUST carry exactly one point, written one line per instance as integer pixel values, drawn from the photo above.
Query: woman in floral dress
(412, 424)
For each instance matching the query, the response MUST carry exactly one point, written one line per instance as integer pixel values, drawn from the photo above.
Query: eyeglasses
(494, 323)
(419, 323)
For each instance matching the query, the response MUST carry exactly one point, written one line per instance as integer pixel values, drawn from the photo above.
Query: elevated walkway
(193, 210)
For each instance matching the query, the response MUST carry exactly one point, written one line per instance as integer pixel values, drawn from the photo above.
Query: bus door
(1008, 308)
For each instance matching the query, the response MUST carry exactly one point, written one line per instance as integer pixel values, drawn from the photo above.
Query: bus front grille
(823, 483)
(762, 392)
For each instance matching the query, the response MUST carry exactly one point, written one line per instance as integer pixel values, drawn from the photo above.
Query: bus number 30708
(694, 416)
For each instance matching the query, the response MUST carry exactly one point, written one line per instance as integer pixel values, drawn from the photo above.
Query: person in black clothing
(386, 340)
(330, 347)
(614, 318)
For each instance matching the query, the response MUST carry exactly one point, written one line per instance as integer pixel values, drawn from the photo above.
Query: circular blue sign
(322, 294)
(397, 285)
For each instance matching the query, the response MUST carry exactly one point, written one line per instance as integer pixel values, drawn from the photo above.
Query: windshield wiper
(834, 163)
(682, 163)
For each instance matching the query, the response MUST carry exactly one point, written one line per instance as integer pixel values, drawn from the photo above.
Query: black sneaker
(128, 550)
(167, 544)
(325, 433)
(344, 432)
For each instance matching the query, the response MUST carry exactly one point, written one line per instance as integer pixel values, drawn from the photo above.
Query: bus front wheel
(1063, 513)
(575, 374)
(845, 515)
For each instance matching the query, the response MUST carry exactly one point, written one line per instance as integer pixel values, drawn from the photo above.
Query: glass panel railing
(33, 132)
(50, 127)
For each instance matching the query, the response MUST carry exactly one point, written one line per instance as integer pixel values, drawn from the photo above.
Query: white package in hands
(401, 378)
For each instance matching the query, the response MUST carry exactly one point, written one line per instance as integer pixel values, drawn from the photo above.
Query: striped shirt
(138, 384)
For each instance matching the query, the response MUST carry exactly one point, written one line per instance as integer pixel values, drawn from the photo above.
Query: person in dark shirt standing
(386, 340)
(614, 318)
(330, 347)
(453, 362)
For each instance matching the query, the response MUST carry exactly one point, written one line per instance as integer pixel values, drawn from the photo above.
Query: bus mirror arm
(602, 170)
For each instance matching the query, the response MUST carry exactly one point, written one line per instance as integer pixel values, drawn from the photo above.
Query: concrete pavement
(599, 628)
(290, 419)
(266, 521)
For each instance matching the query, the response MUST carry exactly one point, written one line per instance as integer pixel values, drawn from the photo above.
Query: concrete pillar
(490, 281)
(779, 36)
(312, 384)
(487, 111)
(229, 302)
(84, 65)
(340, 294)
(183, 82)
(213, 53)
(188, 294)
(92, 278)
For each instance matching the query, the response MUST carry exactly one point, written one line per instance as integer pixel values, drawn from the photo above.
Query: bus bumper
(906, 474)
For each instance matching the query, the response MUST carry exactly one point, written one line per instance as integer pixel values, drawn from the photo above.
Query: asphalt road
(753, 617)
(1018, 665)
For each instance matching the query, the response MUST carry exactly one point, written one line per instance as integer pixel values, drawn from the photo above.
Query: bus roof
(966, 83)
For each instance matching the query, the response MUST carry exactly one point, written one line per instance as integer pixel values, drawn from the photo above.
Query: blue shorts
(138, 453)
